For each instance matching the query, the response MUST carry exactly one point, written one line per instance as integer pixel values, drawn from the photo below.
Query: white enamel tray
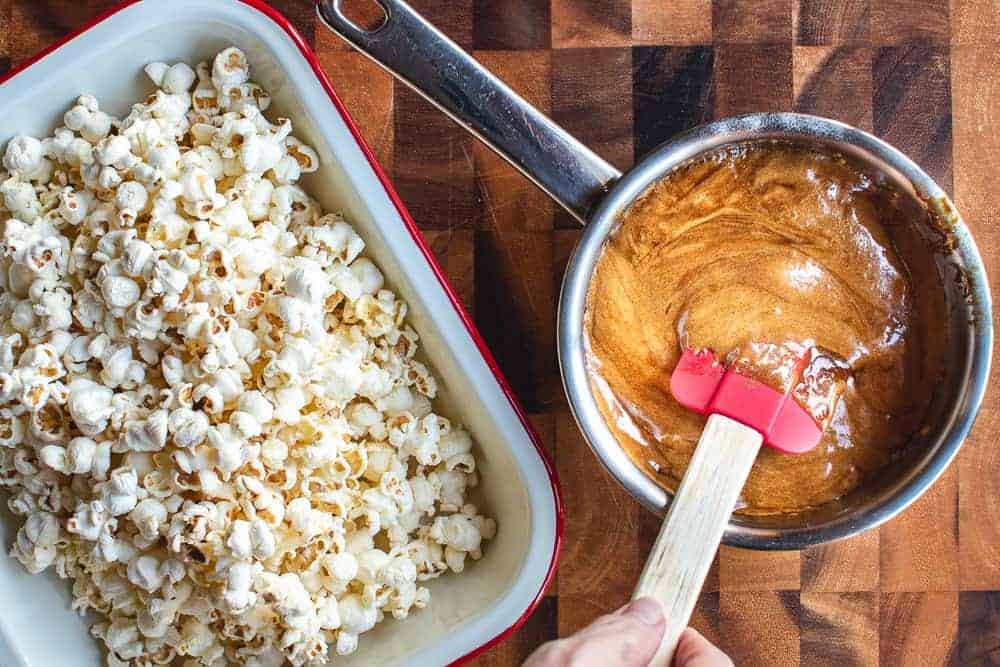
(469, 612)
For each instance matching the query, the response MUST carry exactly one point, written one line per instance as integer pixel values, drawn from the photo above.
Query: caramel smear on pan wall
(770, 246)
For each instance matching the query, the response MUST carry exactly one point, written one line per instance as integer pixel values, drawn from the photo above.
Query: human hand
(628, 637)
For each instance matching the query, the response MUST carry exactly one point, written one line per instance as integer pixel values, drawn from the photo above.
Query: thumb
(693, 650)
(628, 637)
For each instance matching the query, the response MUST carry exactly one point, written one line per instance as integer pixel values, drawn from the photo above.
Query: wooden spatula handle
(693, 527)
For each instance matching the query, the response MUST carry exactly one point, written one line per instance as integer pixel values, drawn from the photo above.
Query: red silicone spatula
(743, 413)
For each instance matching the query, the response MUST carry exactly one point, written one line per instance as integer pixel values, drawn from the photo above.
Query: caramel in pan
(770, 246)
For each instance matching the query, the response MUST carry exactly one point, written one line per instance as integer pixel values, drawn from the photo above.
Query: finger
(628, 637)
(693, 650)
(549, 654)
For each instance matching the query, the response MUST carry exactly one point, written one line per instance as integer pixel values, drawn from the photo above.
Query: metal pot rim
(711, 136)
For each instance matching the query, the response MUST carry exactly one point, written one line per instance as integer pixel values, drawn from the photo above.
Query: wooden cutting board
(623, 76)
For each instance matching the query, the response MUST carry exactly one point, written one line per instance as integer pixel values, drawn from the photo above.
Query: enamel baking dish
(468, 612)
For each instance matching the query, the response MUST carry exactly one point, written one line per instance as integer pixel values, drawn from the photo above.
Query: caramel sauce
(761, 248)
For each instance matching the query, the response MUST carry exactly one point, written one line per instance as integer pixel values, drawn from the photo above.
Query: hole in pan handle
(419, 55)
(364, 16)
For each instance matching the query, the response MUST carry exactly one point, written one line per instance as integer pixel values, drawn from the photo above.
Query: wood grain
(835, 82)
(840, 628)
(680, 22)
(506, 24)
(705, 618)
(591, 23)
(979, 623)
(5, 36)
(516, 305)
(455, 250)
(302, 14)
(671, 92)
(844, 566)
(761, 628)
(433, 169)
(901, 21)
(976, 109)
(544, 424)
(919, 550)
(751, 21)
(912, 105)
(918, 628)
(599, 567)
(830, 22)
(452, 17)
(35, 24)
(367, 91)
(974, 23)
(768, 66)
(746, 570)
(599, 116)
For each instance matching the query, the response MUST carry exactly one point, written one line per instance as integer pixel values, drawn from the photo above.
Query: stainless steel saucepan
(597, 195)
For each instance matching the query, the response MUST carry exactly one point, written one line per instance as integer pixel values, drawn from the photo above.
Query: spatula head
(703, 384)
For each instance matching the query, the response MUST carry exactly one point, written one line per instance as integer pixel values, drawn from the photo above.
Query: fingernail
(646, 610)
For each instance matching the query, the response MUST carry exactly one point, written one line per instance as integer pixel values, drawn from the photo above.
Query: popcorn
(164, 158)
(23, 156)
(81, 456)
(114, 151)
(238, 596)
(89, 405)
(35, 543)
(287, 170)
(256, 404)
(230, 68)
(355, 616)
(228, 448)
(144, 572)
(119, 291)
(87, 119)
(147, 435)
(136, 258)
(304, 156)
(239, 540)
(73, 205)
(159, 614)
(149, 515)
(456, 531)
(20, 199)
(262, 539)
(188, 427)
(174, 79)
(210, 413)
(122, 638)
(119, 493)
(132, 196)
(289, 402)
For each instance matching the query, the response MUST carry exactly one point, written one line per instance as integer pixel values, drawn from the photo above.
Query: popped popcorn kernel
(211, 416)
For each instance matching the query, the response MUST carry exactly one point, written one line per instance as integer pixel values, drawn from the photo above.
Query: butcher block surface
(624, 75)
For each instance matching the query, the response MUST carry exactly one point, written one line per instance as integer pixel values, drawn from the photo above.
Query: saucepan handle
(421, 56)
